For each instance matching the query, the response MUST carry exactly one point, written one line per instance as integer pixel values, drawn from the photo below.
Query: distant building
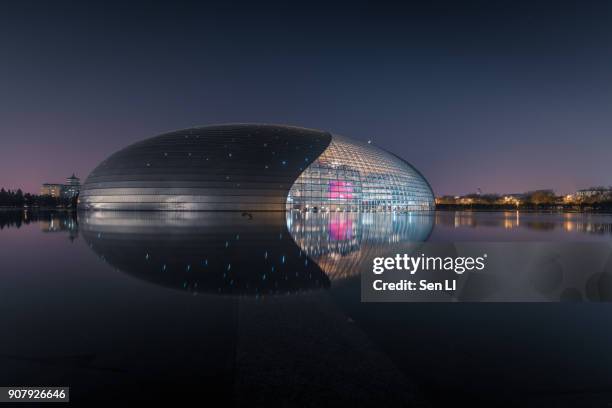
(593, 191)
(516, 196)
(512, 199)
(594, 194)
(69, 190)
(72, 187)
(53, 190)
(585, 193)
(569, 199)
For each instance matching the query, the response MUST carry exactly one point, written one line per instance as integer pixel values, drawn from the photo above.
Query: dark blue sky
(507, 97)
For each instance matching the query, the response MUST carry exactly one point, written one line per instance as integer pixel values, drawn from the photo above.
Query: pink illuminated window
(342, 190)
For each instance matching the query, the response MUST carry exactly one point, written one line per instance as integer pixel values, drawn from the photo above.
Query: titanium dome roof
(247, 167)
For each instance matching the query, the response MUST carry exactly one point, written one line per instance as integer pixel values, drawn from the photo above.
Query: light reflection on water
(75, 320)
(342, 226)
(519, 226)
(246, 254)
(223, 253)
(271, 253)
(340, 242)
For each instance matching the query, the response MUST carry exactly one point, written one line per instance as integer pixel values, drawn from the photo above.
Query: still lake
(264, 309)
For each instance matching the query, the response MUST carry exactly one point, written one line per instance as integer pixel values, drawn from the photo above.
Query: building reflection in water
(340, 242)
(280, 253)
(60, 222)
(210, 252)
(47, 220)
(246, 254)
(588, 223)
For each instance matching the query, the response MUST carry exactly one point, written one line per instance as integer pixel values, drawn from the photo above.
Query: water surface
(254, 308)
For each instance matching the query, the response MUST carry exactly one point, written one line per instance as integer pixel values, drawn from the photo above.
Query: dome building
(247, 167)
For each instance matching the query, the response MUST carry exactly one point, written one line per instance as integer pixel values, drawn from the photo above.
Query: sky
(504, 96)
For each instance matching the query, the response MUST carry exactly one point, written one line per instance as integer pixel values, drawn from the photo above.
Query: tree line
(19, 199)
(598, 198)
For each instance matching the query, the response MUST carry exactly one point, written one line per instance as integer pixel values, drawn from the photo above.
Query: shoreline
(36, 209)
(561, 209)
(439, 208)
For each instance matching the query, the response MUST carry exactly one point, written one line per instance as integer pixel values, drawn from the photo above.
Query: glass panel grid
(355, 176)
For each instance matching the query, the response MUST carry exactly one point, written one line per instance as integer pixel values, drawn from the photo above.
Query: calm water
(265, 308)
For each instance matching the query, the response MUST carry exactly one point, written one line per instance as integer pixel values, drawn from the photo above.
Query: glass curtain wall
(356, 176)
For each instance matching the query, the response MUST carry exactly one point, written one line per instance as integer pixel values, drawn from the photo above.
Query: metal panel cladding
(356, 176)
(216, 168)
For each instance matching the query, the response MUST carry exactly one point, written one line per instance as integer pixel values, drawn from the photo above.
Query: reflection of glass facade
(344, 244)
(226, 253)
(355, 176)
